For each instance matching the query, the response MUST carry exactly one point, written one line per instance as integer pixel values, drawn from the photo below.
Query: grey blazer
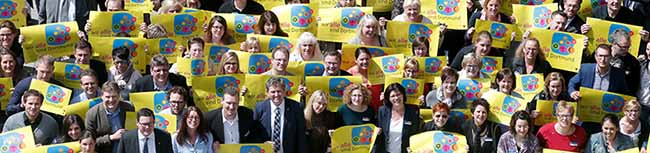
(98, 122)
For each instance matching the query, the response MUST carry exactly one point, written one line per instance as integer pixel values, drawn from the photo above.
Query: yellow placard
(156, 101)
(184, 25)
(215, 52)
(439, 141)
(397, 37)
(268, 42)
(529, 85)
(69, 73)
(532, 16)
(306, 68)
(491, 65)
(500, 32)
(254, 63)
(138, 57)
(138, 5)
(167, 47)
(602, 37)
(56, 97)
(502, 106)
(6, 85)
(563, 50)
(165, 122)
(340, 24)
(257, 91)
(414, 88)
(547, 112)
(122, 22)
(333, 86)
(69, 147)
(379, 5)
(594, 104)
(249, 147)
(208, 91)
(296, 18)
(451, 12)
(555, 151)
(326, 3)
(431, 67)
(14, 11)
(56, 39)
(192, 68)
(384, 66)
(268, 4)
(240, 24)
(473, 89)
(631, 150)
(348, 51)
(354, 138)
(81, 108)
(506, 5)
(18, 139)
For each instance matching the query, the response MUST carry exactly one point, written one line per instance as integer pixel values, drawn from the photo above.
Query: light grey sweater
(46, 131)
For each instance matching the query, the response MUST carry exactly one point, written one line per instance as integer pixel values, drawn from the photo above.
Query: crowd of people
(306, 125)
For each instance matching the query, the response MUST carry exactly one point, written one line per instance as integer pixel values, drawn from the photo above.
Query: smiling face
(440, 118)
(231, 66)
(32, 106)
(89, 84)
(411, 72)
(609, 130)
(555, 88)
(160, 74)
(480, 115)
(217, 30)
(270, 28)
(449, 85)
(319, 105)
(276, 94)
(347, 3)
(396, 99)
(521, 127)
(420, 51)
(530, 50)
(193, 120)
(473, 69)
(87, 145)
(44, 72)
(307, 50)
(145, 125)
(82, 55)
(332, 65)
(493, 7)
(177, 103)
(111, 100)
(74, 131)
(196, 50)
(571, 7)
(363, 61)
(558, 23)
(7, 63)
(369, 30)
(7, 37)
(564, 118)
(632, 113)
(483, 46)
(412, 13)
(280, 61)
(506, 85)
(613, 5)
(230, 104)
(356, 98)
(121, 65)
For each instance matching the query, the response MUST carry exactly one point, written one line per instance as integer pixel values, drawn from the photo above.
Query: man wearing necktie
(145, 139)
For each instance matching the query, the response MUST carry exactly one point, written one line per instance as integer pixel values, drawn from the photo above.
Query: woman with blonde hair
(632, 126)
(554, 90)
(564, 134)
(412, 13)
(319, 121)
(170, 6)
(369, 33)
(530, 59)
(307, 49)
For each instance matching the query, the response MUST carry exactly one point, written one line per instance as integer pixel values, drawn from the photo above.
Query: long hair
(269, 17)
(519, 54)
(394, 87)
(183, 132)
(554, 76)
(226, 33)
(318, 95)
(68, 121)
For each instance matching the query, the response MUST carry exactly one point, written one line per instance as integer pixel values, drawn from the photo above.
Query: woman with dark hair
(362, 60)
(319, 121)
(519, 138)
(530, 59)
(87, 142)
(554, 90)
(440, 119)
(482, 135)
(9, 39)
(73, 125)
(505, 82)
(420, 47)
(448, 92)
(8, 67)
(192, 136)
(481, 46)
(397, 120)
(610, 140)
(490, 12)
(122, 71)
(268, 24)
(355, 109)
(217, 32)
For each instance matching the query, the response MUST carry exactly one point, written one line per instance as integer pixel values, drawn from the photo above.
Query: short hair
(560, 13)
(411, 63)
(393, 87)
(11, 26)
(45, 59)
(232, 91)
(110, 86)
(471, 57)
(275, 81)
(88, 72)
(195, 40)
(332, 53)
(420, 41)
(33, 92)
(440, 107)
(120, 1)
(87, 134)
(122, 53)
(408, 3)
(144, 112)
(633, 103)
(367, 19)
(520, 115)
(308, 38)
(279, 49)
(612, 119)
(449, 73)
(347, 93)
(250, 41)
(519, 54)
(483, 35)
(480, 102)
(485, 5)
(178, 90)
(158, 60)
(156, 31)
(503, 74)
(169, 4)
(603, 46)
(620, 35)
(83, 44)
(564, 106)
(360, 50)
(554, 76)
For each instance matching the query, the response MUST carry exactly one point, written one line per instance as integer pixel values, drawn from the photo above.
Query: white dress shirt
(273, 107)
(151, 145)
(230, 129)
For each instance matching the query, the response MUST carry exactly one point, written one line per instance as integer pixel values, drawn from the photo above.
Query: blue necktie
(146, 147)
(276, 131)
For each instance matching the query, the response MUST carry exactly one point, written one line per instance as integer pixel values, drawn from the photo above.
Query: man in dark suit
(160, 79)
(332, 61)
(83, 53)
(282, 119)
(106, 120)
(44, 72)
(232, 124)
(145, 139)
(571, 7)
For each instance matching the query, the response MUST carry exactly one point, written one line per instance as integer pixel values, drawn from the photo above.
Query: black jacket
(248, 128)
(129, 142)
(412, 125)
(492, 133)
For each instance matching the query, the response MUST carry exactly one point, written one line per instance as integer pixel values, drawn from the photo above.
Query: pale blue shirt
(200, 145)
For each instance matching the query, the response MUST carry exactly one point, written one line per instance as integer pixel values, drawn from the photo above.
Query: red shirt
(549, 138)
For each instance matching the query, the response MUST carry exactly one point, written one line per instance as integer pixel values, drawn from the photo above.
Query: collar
(151, 136)
(273, 106)
(98, 93)
(167, 86)
(223, 117)
(117, 111)
(606, 73)
(36, 122)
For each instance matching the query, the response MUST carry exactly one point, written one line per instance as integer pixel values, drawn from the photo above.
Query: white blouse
(394, 143)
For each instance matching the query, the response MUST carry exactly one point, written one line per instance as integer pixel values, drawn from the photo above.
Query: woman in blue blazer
(397, 120)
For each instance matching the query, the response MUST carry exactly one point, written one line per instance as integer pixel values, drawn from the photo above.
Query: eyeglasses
(438, 116)
(622, 47)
